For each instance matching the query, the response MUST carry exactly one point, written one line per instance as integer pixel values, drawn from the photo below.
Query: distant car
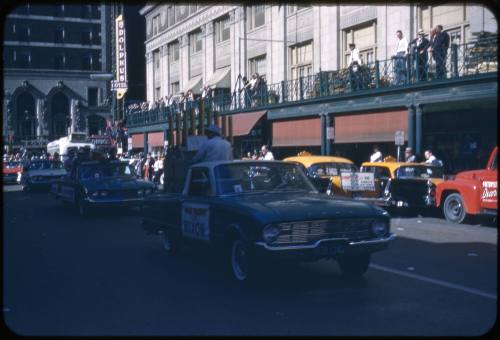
(403, 185)
(105, 183)
(470, 192)
(324, 171)
(11, 170)
(253, 210)
(40, 174)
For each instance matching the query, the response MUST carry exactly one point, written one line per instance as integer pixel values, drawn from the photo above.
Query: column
(328, 122)
(184, 61)
(149, 78)
(411, 127)
(39, 117)
(145, 143)
(418, 129)
(323, 133)
(208, 52)
(165, 76)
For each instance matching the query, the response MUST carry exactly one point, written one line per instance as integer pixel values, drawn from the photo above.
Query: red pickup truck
(470, 192)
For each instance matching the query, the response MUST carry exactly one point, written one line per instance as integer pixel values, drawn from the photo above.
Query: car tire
(169, 244)
(27, 188)
(454, 208)
(240, 261)
(354, 266)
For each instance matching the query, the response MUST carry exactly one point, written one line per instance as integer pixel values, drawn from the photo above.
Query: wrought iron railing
(460, 61)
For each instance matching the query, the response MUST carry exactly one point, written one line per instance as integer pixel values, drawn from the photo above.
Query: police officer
(215, 148)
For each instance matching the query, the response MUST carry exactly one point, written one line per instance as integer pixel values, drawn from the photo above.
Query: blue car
(105, 183)
(250, 210)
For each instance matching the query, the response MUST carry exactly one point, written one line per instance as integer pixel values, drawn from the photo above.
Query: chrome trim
(317, 243)
(88, 200)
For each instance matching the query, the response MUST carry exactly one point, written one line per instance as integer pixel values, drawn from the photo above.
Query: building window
(86, 11)
(257, 65)
(174, 87)
(24, 59)
(87, 37)
(181, 12)
(256, 16)
(294, 8)
(13, 28)
(58, 10)
(59, 35)
(156, 24)
(157, 93)
(195, 42)
(364, 37)
(92, 96)
(192, 9)
(87, 62)
(24, 33)
(59, 61)
(222, 30)
(451, 17)
(173, 52)
(170, 16)
(301, 58)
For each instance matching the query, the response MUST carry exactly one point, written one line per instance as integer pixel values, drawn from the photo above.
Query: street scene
(265, 169)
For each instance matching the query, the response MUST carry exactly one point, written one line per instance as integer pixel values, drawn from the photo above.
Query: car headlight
(379, 228)
(148, 191)
(140, 192)
(104, 193)
(95, 194)
(270, 233)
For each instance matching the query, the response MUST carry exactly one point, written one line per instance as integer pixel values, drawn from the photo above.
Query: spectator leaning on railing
(439, 48)
(400, 59)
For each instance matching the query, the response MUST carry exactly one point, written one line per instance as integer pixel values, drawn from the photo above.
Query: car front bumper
(10, 178)
(113, 202)
(325, 248)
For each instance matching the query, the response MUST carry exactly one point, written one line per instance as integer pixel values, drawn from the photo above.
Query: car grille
(409, 191)
(311, 231)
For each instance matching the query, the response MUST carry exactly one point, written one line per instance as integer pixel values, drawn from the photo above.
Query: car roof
(309, 160)
(213, 164)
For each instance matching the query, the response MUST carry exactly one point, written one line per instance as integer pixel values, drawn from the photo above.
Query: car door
(489, 181)
(67, 186)
(195, 209)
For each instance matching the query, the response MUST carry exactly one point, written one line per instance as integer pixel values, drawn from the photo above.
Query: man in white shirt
(266, 154)
(377, 155)
(354, 63)
(354, 56)
(400, 59)
(215, 148)
(431, 159)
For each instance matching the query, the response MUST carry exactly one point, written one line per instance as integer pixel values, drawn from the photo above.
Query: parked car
(10, 171)
(104, 183)
(402, 185)
(40, 174)
(250, 211)
(324, 171)
(470, 192)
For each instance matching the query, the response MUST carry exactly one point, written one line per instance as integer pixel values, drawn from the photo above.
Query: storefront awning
(194, 84)
(370, 127)
(299, 132)
(221, 78)
(138, 140)
(244, 122)
(155, 139)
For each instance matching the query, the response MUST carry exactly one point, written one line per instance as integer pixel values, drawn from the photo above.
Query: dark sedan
(250, 210)
(93, 184)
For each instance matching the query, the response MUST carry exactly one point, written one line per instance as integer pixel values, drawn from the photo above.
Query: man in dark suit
(439, 48)
(421, 45)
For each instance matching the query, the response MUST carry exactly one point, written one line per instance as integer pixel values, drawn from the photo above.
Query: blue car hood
(116, 184)
(282, 207)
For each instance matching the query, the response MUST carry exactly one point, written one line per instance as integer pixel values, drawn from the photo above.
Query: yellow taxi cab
(324, 171)
(401, 184)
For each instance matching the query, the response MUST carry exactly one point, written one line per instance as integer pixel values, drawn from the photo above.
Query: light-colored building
(188, 46)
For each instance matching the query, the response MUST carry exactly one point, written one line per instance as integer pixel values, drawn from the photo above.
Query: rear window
(330, 169)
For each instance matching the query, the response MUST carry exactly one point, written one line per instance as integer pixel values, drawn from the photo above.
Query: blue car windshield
(99, 171)
(260, 176)
(45, 165)
(419, 172)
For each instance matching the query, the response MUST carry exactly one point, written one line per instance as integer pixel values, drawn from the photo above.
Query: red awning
(155, 139)
(244, 122)
(300, 132)
(138, 140)
(370, 127)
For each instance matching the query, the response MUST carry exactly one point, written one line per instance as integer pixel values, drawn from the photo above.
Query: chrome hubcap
(239, 260)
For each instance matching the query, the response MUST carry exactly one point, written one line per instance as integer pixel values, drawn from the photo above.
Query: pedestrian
(376, 155)
(421, 55)
(215, 148)
(439, 49)
(410, 156)
(430, 159)
(354, 64)
(266, 154)
(400, 59)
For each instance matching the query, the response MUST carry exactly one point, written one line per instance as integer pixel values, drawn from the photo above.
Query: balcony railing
(461, 61)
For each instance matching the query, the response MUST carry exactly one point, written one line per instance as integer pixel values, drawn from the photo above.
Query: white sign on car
(195, 220)
(357, 181)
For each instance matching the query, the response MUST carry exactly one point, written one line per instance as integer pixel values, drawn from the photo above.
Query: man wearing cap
(409, 156)
(421, 46)
(215, 148)
(354, 63)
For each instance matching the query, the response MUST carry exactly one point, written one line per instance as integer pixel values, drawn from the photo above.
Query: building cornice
(146, 9)
(205, 16)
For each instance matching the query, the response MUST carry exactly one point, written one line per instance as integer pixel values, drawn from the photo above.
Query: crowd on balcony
(426, 57)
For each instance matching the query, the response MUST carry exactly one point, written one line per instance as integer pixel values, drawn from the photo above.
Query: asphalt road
(66, 275)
